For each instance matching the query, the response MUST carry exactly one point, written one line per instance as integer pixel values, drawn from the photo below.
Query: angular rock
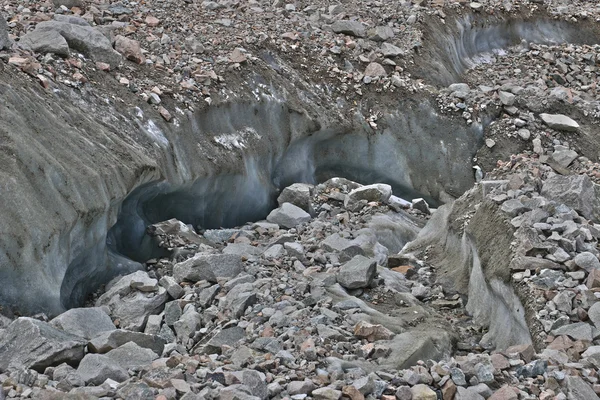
(577, 331)
(297, 194)
(563, 156)
(29, 343)
(84, 322)
(132, 356)
(467, 394)
(97, 368)
(130, 305)
(300, 387)
(49, 41)
(381, 33)
(114, 339)
(423, 392)
(578, 389)
(288, 216)
(560, 122)
(130, 49)
(69, 3)
(389, 50)
(379, 192)
(357, 273)
(507, 99)
(587, 261)
(208, 267)
(371, 332)
(504, 393)
(575, 191)
(189, 323)
(84, 39)
(594, 314)
(228, 337)
(375, 70)
(353, 28)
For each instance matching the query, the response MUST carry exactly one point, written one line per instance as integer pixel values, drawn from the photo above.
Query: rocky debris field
(190, 54)
(315, 303)
(320, 301)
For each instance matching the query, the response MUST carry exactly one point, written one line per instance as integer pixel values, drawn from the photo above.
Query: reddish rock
(152, 21)
(504, 393)
(165, 113)
(365, 330)
(500, 362)
(525, 351)
(449, 390)
(130, 49)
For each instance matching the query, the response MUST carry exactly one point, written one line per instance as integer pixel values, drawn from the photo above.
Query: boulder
(587, 261)
(130, 305)
(560, 122)
(228, 337)
(381, 33)
(5, 41)
(578, 389)
(84, 39)
(389, 50)
(187, 326)
(357, 273)
(208, 267)
(84, 322)
(68, 3)
(507, 99)
(288, 216)
(45, 41)
(114, 339)
(297, 194)
(130, 49)
(375, 70)
(97, 368)
(30, 343)
(563, 156)
(575, 191)
(132, 356)
(347, 27)
(423, 392)
(379, 192)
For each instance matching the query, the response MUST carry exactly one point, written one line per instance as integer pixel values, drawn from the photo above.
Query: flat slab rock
(84, 322)
(29, 343)
(560, 122)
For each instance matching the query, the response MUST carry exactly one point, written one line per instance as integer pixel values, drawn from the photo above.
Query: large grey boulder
(575, 191)
(377, 192)
(560, 122)
(357, 273)
(187, 326)
(45, 41)
(68, 3)
(5, 41)
(208, 267)
(84, 39)
(288, 216)
(353, 28)
(578, 389)
(29, 343)
(228, 337)
(84, 322)
(587, 261)
(132, 356)
(133, 298)
(297, 194)
(114, 339)
(97, 368)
